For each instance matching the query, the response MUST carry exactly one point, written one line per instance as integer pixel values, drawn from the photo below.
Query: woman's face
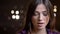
(40, 17)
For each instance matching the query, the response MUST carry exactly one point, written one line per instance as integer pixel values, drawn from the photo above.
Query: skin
(40, 19)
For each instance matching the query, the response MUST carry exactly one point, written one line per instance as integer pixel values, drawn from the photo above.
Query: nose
(40, 17)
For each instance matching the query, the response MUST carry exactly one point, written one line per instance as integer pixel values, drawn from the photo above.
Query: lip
(40, 24)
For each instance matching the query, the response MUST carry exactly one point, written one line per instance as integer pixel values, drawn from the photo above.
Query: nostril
(39, 20)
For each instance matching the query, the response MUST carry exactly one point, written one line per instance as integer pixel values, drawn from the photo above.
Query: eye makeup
(45, 13)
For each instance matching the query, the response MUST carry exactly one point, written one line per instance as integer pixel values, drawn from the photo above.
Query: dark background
(9, 26)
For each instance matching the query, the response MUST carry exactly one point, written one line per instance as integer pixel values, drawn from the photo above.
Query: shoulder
(22, 32)
(52, 32)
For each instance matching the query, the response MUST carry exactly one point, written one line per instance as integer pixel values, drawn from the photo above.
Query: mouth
(40, 24)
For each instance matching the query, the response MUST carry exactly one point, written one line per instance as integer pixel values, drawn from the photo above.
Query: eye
(35, 14)
(45, 13)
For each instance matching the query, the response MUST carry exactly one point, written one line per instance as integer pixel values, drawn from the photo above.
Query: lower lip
(40, 24)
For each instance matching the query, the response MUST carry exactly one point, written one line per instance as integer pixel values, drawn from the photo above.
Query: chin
(41, 27)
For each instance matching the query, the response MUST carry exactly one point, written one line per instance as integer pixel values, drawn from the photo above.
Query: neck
(39, 31)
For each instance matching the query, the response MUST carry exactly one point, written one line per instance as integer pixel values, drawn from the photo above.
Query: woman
(39, 15)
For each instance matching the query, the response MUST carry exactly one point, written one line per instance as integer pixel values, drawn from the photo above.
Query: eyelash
(35, 14)
(44, 13)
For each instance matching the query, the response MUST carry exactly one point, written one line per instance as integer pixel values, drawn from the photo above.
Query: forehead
(41, 8)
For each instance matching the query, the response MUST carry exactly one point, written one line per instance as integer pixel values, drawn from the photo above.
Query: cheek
(34, 19)
(46, 19)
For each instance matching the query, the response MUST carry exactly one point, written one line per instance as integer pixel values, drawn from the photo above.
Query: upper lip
(40, 23)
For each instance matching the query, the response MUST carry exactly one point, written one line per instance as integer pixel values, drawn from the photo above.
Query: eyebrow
(36, 12)
(42, 11)
(45, 11)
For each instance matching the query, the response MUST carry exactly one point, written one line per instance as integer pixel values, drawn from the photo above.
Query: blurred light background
(13, 14)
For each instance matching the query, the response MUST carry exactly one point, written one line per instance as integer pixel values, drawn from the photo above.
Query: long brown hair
(31, 9)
